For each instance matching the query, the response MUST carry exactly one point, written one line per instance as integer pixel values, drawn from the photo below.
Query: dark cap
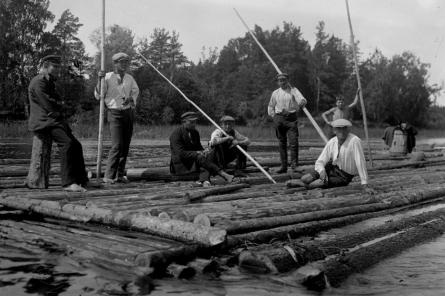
(120, 56)
(55, 59)
(227, 118)
(282, 75)
(189, 116)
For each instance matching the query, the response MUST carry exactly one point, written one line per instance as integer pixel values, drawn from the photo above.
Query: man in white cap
(283, 108)
(121, 92)
(340, 160)
(225, 146)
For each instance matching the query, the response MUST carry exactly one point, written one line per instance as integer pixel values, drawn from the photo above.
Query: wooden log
(179, 230)
(242, 226)
(205, 266)
(308, 228)
(181, 271)
(337, 269)
(295, 253)
(38, 175)
(194, 196)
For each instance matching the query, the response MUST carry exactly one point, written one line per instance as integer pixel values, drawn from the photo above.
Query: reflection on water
(416, 271)
(24, 271)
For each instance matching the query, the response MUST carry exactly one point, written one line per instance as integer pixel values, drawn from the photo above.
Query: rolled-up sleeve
(134, 93)
(360, 162)
(298, 96)
(272, 104)
(323, 159)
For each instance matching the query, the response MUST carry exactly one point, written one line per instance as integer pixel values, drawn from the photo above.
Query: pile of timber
(229, 216)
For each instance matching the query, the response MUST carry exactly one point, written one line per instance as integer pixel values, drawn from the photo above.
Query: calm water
(418, 271)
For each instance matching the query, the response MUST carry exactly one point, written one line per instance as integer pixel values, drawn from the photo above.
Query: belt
(286, 114)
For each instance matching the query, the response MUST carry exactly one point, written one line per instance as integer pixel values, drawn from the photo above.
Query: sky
(392, 26)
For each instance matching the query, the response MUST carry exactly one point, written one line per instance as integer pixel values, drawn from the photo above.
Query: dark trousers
(286, 128)
(72, 164)
(224, 154)
(121, 130)
(206, 166)
(336, 176)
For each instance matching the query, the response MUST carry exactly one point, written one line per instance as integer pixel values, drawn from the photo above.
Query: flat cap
(190, 115)
(55, 59)
(282, 75)
(120, 56)
(227, 118)
(341, 123)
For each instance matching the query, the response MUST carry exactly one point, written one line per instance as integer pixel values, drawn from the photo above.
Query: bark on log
(295, 253)
(339, 268)
(179, 230)
(312, 227)
(38, 174)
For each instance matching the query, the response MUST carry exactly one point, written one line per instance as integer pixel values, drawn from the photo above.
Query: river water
(417, 271)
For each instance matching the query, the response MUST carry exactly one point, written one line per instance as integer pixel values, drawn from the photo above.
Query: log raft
(158, 224)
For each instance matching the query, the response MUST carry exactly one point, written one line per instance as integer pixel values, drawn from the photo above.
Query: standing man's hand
(101, 74)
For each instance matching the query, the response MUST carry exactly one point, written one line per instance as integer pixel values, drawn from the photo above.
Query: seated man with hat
(46, 118)
(340, 160)
(225, 146)
(188, 155)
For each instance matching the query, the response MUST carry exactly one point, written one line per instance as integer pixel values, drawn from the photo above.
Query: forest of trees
(236, 80)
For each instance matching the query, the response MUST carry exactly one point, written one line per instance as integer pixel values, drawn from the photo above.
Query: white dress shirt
(217, 138)
(117, 89)
(350, 159)
(285, 99)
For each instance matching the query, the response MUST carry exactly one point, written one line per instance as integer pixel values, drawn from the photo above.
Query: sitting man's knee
(308, 178)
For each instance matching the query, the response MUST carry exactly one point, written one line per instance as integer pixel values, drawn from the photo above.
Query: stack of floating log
(195, 221)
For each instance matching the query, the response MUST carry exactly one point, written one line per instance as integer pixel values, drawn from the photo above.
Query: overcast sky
(393, 26)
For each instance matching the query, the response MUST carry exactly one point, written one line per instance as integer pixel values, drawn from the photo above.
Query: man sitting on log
(340, 160)
(225, 146)
(46, 119)
(188, 155)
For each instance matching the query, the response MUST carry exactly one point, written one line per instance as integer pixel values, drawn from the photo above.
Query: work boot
(123, 179)
(296, 169)
(74, 188)
(240, 173)
(282, 170)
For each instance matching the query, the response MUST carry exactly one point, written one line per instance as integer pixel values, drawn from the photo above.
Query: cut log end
(202, 219)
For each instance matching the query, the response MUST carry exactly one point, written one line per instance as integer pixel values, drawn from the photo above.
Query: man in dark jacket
(46, 118)
(188, 155)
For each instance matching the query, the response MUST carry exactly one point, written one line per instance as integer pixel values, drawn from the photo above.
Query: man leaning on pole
(284, 105)
(121, 92)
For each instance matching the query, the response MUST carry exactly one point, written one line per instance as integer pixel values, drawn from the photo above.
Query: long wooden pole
(102, 95)
(314, 123)
(211, 120)
(362, 103)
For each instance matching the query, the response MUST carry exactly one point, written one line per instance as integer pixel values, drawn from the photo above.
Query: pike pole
(101, 102)
(211, 120)
(362, 103)
(314, 123)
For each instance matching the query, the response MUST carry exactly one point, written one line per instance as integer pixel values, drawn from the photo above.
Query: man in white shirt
(224, 147)
(340, 160)
(283, 107)
(121, 92)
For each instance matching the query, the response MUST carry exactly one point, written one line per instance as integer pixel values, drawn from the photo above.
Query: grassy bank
(18, 129)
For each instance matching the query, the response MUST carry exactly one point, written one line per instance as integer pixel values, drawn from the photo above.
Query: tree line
(236, 80)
